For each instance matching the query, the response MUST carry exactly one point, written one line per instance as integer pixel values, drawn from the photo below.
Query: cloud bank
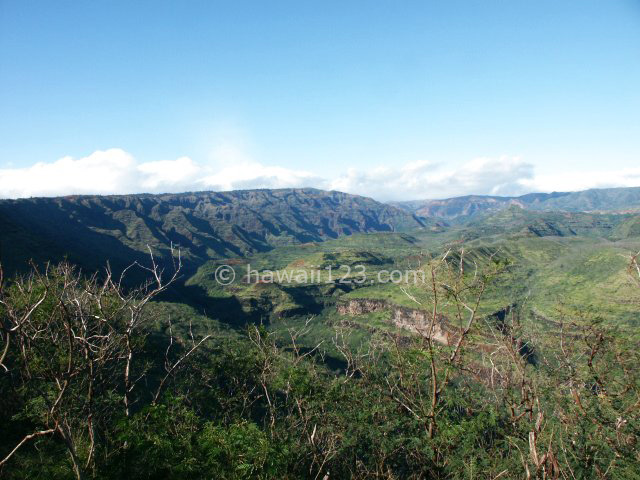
(500, 176)
(115, 171)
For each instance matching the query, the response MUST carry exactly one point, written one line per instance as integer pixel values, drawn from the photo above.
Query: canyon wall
(412, 319)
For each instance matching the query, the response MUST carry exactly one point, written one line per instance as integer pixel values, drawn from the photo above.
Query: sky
(392, 100)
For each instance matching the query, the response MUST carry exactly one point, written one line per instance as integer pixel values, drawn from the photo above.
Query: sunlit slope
(575, 273)
(462, 209)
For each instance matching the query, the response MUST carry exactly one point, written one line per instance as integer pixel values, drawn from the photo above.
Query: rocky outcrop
(359, 306)
(412, 319)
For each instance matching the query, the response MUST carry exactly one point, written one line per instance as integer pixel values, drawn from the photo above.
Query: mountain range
(460, 209)
(89, 230)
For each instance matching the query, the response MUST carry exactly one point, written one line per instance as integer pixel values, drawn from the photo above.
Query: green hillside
(90, 230)
(515, 219)
(351, 340)
(462, 209)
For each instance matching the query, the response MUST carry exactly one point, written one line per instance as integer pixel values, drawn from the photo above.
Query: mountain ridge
(461, 209)
(204, 224)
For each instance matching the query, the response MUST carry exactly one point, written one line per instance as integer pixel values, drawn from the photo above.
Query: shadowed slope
(92, 229)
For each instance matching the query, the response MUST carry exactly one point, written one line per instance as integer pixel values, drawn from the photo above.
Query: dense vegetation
(342, 376)
(97, 384)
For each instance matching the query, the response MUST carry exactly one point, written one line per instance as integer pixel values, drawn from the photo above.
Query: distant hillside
(91, 229)
(460, 209)
(515, 219)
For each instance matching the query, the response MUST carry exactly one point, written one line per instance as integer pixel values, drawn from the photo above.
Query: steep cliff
(412, 319)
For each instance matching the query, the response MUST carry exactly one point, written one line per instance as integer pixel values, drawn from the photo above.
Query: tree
(69, 346)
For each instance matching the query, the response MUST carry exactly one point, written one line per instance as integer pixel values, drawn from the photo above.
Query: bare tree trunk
(77, 469)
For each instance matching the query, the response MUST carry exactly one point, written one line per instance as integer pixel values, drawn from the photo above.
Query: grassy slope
(575, 274)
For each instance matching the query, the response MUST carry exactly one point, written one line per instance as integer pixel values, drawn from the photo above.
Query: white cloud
(235, 169)
(501, 176)
(254, 175)
(115, 171)
(171, 174)
(386, 182)
(582, 180)
(108, 171)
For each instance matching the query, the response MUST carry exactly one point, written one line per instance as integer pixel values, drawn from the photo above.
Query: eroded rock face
(360, 306)
(412, 319)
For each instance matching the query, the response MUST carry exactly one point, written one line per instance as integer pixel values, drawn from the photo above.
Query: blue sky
(395, 100)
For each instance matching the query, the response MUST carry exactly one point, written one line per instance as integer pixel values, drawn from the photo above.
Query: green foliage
(546, 381)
